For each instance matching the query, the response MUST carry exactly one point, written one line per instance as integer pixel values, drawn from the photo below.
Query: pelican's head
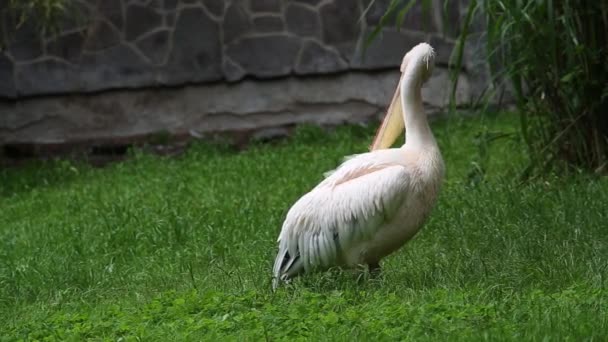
(419, 62)
(416, 69)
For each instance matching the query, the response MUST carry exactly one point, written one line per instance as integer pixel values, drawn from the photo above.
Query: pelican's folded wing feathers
(348, 207)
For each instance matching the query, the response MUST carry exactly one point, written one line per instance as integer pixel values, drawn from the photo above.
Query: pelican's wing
(348, 207)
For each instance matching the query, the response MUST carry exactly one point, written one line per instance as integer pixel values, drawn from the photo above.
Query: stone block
(67, 46)
(26, 43)
(315, 59)
(116, 67)
(170, 4)
(416, 18)
(309, 2)
(47, 76)
(232, 71)
(436, 91)
(268, 23)
(155, 4)
(273, 6)
(112, 10)
(196, 53)
(101, 35)
(155, 46)
(302, 21)
(265, 56)
(141, 19)
(236, 23)
(340, 20)
(215, 7)
(170, 18)
(7, 85)
(387, 49)
(443, 49)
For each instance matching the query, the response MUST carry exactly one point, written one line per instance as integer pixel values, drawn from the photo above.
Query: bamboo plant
(554, 56)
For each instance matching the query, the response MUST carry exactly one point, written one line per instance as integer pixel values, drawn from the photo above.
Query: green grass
(181, 248)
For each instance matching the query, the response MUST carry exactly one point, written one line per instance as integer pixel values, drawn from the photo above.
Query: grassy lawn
(182, 249)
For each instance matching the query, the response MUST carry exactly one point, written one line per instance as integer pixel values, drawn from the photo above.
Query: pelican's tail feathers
(286, 266)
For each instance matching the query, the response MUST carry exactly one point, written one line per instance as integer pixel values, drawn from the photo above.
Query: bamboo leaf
(402, 13)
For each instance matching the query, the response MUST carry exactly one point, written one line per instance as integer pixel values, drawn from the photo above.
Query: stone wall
(256, 52)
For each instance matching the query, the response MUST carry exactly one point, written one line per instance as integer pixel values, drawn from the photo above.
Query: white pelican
(374, 202)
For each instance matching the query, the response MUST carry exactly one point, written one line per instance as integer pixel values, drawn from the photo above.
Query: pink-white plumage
(374, 202)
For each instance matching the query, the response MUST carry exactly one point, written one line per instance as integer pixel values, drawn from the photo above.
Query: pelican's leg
(374, 269)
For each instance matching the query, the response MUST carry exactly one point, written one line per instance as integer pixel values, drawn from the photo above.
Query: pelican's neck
(417, 131)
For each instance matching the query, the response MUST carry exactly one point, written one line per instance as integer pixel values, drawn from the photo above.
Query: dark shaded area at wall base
(101, 152)
(97, 152)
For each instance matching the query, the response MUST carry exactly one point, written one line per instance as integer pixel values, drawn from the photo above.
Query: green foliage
(182, 248)
(554, 55)
(44, 15)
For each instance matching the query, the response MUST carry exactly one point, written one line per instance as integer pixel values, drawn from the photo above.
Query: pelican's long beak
(392, 126)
